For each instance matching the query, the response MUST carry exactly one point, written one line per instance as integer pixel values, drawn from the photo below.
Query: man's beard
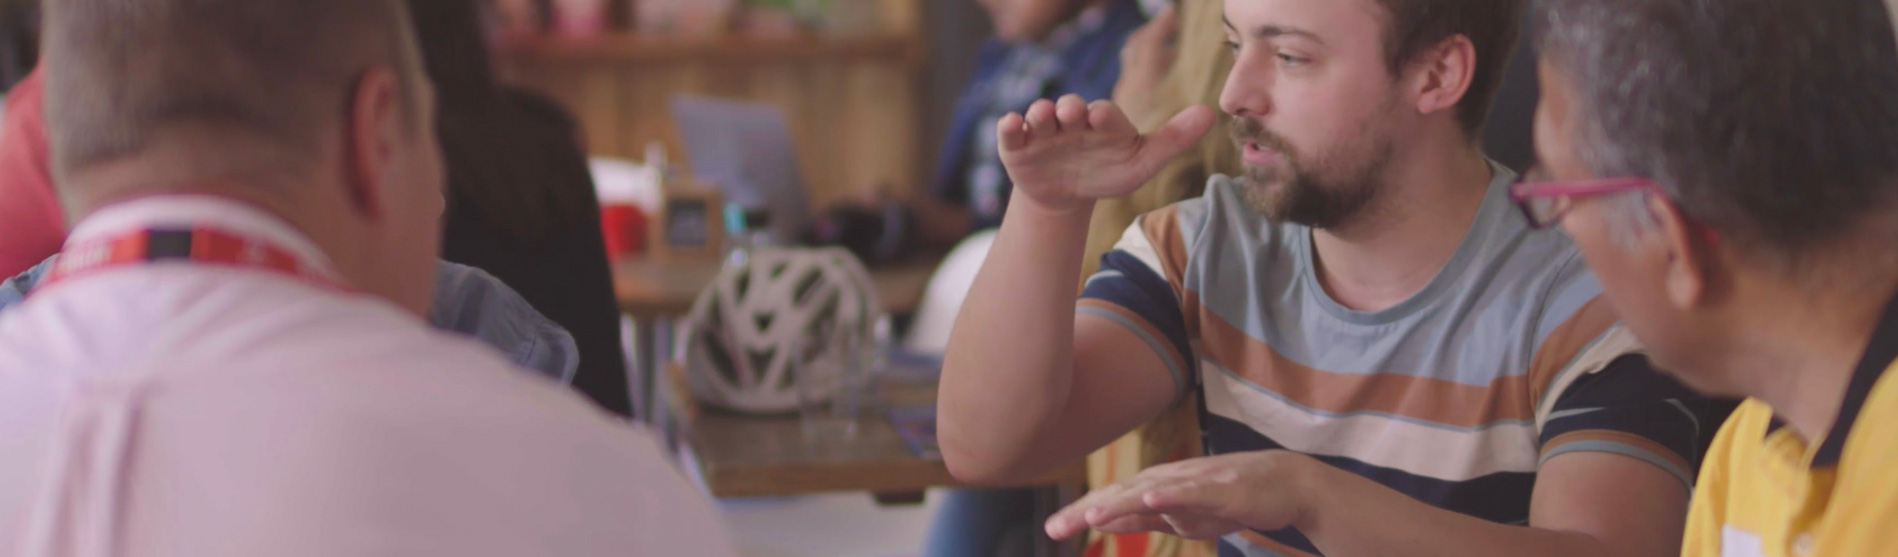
(1334, 189)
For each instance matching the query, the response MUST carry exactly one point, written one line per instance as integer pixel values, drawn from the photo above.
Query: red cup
(624, 227)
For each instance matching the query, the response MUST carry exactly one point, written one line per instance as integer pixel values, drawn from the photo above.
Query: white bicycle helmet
(737, 344)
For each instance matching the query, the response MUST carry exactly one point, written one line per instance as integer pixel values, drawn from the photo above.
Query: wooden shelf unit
(853, 102)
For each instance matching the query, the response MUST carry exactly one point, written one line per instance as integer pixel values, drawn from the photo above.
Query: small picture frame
(690, 223)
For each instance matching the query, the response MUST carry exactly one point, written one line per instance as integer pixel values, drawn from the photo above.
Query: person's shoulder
(375, 373)
(27, 96)
(1517, 248)
(404, 354)
(1540, 268)
(1502, 232)
(354, 363)
(521, 460)
(1210, 234)
(256, 321)
(24, 117)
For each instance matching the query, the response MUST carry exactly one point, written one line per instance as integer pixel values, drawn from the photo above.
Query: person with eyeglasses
(1389, 359)
(1730, 171)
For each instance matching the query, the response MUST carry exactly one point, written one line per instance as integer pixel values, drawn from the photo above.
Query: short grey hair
(1773, 121)
(260, 77)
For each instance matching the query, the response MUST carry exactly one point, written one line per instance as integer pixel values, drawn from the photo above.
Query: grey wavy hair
(1775, 122)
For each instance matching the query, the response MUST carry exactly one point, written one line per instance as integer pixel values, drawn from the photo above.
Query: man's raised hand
(1068, 153)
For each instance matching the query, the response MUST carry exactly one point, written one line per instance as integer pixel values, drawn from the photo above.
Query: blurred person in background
(521, 203)
(1741, 210)
(32, 225)
(230, 357)
(1041, 49)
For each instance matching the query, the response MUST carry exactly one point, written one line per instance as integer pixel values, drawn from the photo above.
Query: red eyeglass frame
(1524, 192)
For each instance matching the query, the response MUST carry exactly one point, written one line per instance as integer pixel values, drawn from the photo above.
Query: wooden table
(768, 456)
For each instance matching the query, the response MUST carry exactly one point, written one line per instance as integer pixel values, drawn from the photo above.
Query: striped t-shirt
(1455, 397)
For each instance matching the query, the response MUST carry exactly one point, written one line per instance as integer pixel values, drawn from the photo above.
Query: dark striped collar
(1879, 355)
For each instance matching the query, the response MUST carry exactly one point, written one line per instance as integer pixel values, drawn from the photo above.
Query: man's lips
(1260, 155)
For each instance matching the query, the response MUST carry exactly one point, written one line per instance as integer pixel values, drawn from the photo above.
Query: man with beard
(1390, 360)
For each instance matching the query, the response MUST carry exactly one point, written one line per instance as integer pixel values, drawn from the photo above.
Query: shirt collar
(1879, 355)
(185, 211)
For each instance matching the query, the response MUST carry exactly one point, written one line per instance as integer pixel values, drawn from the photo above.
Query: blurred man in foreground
(229, 357)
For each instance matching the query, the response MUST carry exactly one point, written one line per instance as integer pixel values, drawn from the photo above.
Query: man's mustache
(1246, 131)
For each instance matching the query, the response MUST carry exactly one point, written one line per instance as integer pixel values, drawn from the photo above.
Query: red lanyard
(196, 245)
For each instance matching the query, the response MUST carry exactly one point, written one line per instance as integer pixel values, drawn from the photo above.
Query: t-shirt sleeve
(1594, 389)
(1630, 409)
(1133, 289)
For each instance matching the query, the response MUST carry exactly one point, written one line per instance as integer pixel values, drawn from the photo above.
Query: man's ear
(1443, 74)
(370, 138)
(1689, 264)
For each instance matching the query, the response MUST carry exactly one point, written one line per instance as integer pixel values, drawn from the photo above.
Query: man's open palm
(1068, 152)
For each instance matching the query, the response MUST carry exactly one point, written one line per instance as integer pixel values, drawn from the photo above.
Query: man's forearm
(1346, 515)
(1009, 367)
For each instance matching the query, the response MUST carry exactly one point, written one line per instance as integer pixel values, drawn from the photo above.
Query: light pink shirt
(176, 409)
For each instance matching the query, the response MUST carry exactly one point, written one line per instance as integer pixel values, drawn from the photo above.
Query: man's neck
(1798, 352)
(1400, 244)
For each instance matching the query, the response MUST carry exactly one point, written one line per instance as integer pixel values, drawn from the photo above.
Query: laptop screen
(745, 150)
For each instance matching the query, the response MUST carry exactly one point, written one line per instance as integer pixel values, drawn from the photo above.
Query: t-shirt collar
(1879, 356)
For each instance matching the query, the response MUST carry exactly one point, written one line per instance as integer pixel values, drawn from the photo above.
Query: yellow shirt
(1764, 491)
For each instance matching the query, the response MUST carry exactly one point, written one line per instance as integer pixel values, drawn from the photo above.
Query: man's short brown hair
(1492, 26)
(260, 78)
